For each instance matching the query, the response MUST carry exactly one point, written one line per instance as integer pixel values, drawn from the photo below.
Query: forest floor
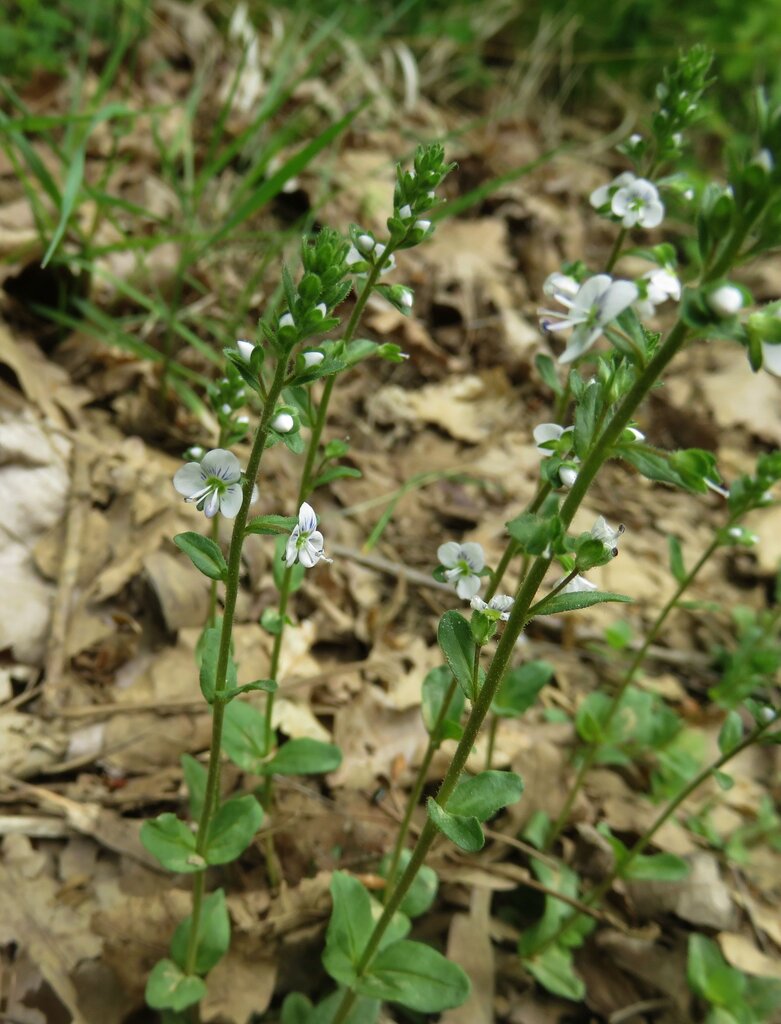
(100, 612)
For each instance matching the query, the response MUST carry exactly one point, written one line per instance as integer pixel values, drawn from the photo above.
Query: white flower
(601, 530)
(661, 286)
(353, 256)
(305, 543)
(598, 301)
(286, 321)
(405, 212)
(579, 585)
(385, 264)
(548, 432)
(226, 410)
(321, 308)
(601, 196)
(726, 300)
(500, 606)
(422, 225)
(406, 297)
(195, 452)
(632, 434)
(365, 244)
(312, 358)
(213, 483)
(463, 563)
(246, 348)
(638, 203)
(283, 423)
(764, 159)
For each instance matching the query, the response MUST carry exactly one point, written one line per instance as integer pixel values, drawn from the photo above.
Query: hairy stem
(231, 593)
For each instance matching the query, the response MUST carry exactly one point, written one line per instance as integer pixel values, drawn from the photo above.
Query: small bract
(305, 543)
(463, 563)
(212, 484)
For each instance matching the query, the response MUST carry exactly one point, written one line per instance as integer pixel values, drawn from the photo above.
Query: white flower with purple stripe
(305, 543)
(462, 563)
(598, 302)
(213, 484)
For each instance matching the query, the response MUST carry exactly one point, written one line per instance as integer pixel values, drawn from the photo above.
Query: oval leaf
(483, 795)
(304, 757)
(168, 988)
(232, 829)
(455, 639)
(243, 736)
(464, 832)
(171, 841)
(572, 602)
(416, 976)
(203, 553)
(214, 934)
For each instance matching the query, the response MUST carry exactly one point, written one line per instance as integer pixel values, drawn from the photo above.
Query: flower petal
(619, 295)
(474, 555)
(222, 463)
(467, 587)
(230, 501)
(771, 358)
(212, 505)
(291, 548)
(309, 556)
(448, 554)
(307, 519)
(189, 479)
(546, 432)
(580, 341)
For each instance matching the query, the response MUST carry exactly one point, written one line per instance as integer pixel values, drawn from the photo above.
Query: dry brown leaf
(741, 952)
(469, 946)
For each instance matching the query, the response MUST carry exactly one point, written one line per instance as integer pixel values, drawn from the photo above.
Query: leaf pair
(474, 800)
(232, 829)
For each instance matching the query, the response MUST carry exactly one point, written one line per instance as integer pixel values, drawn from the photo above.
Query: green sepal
(204, 553)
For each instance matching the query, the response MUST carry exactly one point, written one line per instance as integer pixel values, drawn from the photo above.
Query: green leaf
(203, 553)
(434, 690)
(168, 988)
(731, 732)
(416, 976)
(336, 473)
(195, 779)
(232, 829)
(534, 532)
(303, 757)
(271, 524)
(243, 736)
(349, 929)
(170, 840)
(572, 602)
(423, 891)
(214, 934)
(658, 867)
(710, 976)
(677, 568)
(466, 833)
(547, 371)
(364, 1011)
(296, 1009)
(262, 685)
(520, 687)
(455, 639)
(652, 464)
(210, 654)
(483, 795)
(554, 970)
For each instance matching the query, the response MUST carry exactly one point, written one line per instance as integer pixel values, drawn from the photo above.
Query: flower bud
(312, 358)
(246, 348)
(286, 321)
(422, 225)
(726, 300)
(283, 423)
(365, 243)
(322, 309)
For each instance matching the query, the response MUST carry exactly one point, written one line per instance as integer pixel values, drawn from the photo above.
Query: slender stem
(212, 619)
(231, 593)
(493, 728)
(512, 548)
(593, 749)
(615, 252)
(434, 743)
(596, 895)
(504, 649)
(284, 594)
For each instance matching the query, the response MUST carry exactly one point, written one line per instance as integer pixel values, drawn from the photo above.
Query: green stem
(434, 743)
(212, 619)
(504, 649)
(596, 895)
(593, 749)
(512, 548)
(231, 594)
(284, 594)
(493, 728)
(615, 252)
